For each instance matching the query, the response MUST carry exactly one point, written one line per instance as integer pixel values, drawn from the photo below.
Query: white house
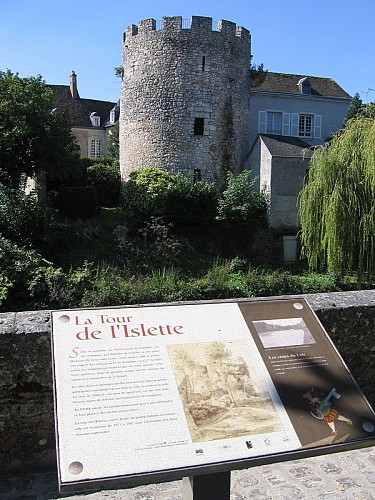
(289, 116)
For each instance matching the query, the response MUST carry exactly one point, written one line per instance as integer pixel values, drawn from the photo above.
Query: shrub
(241, 203)
(177, 200)
(152, 247)
(67, 290)
(25, 278)
(107, 181)
(23, 219)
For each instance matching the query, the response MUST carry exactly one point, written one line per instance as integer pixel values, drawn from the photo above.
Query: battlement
(196, 25)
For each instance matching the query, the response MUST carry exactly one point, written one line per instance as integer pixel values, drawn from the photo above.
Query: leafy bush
(177, 200)
(153, 247)
(67, 290)
(30, 282)
(23, 219)
(25, 278)
(107, 181)
(241, 202)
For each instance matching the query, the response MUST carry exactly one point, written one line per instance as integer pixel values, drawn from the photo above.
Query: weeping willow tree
(337, 204)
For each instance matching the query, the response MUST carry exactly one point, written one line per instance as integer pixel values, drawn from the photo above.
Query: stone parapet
(27, 439)
(197, 24)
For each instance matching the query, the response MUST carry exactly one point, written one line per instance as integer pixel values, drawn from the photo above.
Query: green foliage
(23, 219)
(369, 110)
(176, 199)
(154, 246)
(25, 278)
(337, 207)
(113, 149)
(355, 109)
(107, 181)
(33, 136)
(241, 203)
(105, 285)
(119, 71)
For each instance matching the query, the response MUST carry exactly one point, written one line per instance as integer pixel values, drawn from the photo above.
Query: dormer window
(304, 86)
(95, 119)
(112, 116)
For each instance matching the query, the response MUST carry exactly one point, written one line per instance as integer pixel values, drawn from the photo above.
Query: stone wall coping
(26, 322)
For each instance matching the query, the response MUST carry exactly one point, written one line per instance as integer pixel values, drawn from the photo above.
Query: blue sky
(330, 38)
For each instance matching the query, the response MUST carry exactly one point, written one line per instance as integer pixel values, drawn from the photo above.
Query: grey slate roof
(279, 145)
(79, 110)
(282, 82)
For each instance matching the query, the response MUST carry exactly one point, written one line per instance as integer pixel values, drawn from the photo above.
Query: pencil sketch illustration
(283, 332)
(221, 390)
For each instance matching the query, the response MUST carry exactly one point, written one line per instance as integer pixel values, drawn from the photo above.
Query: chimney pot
(73, 85)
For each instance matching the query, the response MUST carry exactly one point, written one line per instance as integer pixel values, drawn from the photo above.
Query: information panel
(155, 390)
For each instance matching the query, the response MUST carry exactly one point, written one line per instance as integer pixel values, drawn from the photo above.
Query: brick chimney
(73, 85)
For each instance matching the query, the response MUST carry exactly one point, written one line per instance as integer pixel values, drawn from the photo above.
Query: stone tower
(185, 97)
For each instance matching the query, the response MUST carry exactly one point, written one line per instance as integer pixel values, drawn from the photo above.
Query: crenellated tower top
(197, 25)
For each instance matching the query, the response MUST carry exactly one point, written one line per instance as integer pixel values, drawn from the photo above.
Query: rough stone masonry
(185, 97)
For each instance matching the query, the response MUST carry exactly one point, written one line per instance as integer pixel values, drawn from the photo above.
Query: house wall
(332, 110)
(287, 178)
(265, 170)
(253, 162)
(173, 76)
(83, 136)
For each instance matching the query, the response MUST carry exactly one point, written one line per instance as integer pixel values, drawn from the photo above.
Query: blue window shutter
(262, 120)
(317, 126)
(286, 124)
(295, 125)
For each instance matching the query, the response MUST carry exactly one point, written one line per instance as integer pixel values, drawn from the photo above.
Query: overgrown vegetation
(151, 192)
(47, 261)
(241, 203)
(337, 204)
(99, 262)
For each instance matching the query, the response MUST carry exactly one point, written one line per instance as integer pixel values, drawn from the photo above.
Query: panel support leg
(206, 487)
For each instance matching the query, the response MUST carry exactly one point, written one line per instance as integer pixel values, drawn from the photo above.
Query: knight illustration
(320, 407)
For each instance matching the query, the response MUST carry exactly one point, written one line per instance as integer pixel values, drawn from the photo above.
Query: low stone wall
(27, 440)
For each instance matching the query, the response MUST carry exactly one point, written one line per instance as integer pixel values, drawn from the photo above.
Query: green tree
(241, 203)
(369, 110)
(114, 142)
(33, 136)
(23, 220)
(337, 207)
(355, 109)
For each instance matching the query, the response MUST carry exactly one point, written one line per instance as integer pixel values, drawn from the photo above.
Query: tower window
(203, 63)
(199, 126)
